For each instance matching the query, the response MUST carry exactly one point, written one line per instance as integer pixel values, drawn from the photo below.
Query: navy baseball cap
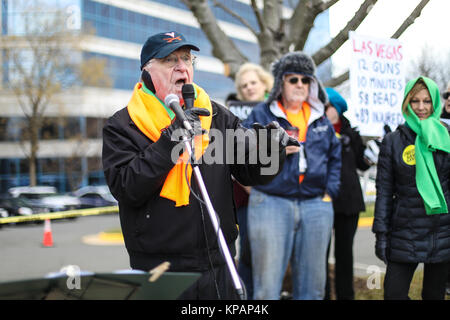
(162, 44)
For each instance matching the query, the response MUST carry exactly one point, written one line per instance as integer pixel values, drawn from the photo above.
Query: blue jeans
(282, 230)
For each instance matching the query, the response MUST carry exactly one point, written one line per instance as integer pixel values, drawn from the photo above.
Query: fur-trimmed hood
(301, 63)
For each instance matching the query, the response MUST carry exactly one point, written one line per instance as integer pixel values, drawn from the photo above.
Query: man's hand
(292, 149)
(277, 133)
(176, 130)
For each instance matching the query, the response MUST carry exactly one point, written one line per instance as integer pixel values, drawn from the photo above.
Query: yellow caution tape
(61, 214)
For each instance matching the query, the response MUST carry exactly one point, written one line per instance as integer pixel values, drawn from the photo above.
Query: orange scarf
(150, 115)
(300, 121)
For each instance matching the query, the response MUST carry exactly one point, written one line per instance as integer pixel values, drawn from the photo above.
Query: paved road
(24, 257)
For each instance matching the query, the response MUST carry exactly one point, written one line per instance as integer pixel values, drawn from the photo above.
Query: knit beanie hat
(336, 100)
(294, 62)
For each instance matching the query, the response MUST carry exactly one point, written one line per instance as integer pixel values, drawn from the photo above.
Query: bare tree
(431, 64)
(44, 59)
(277, 34)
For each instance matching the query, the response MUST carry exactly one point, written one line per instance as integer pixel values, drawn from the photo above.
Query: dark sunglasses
(446, 95)
(304, 80)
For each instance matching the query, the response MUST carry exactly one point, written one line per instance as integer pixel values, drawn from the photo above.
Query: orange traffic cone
(48, 239)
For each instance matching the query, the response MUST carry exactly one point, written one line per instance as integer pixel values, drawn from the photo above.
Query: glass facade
(122, 22)
(125, 25)
(65, 173)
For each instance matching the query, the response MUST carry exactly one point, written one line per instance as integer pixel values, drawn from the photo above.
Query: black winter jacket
(350, 199)
(413, 236)
(154, 229)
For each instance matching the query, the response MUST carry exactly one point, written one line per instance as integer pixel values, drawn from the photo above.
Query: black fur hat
(294, 62)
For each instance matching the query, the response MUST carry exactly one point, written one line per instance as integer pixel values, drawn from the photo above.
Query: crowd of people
(286, 218)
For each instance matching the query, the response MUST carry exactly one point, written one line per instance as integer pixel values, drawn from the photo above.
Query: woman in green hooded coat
(412, 220)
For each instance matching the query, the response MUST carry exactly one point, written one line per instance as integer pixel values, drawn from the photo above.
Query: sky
(386, 17)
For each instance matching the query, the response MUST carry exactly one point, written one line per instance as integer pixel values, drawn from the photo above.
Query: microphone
(173, 102)
(188, 93)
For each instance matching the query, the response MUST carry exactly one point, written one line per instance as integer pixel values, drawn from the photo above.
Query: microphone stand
(212, 214)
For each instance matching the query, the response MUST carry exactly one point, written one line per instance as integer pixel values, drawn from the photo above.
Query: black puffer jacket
(350, 200)
(413, 236)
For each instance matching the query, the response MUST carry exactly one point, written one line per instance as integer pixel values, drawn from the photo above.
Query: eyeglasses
(304, 80)
(172, 60)
(445, 95)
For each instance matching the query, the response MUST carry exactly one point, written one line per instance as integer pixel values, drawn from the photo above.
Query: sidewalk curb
(365, 222)
(104, 239)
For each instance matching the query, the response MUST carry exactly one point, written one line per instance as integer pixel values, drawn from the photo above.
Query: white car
(95, 196)
(46, 197)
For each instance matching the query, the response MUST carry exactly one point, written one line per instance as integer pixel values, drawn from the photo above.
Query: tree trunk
(34, 147)
(35, 122)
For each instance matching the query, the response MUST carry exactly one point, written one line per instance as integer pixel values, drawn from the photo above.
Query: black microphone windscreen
(188, 93)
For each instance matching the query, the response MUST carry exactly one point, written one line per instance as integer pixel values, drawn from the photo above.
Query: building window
(12, 129)
(49, 165)
(94, 127)
(72, 128)
(50, 129)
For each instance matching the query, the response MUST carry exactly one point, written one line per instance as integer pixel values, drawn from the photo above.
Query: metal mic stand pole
(212, 214)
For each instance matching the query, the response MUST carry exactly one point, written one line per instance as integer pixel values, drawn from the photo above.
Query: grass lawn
(362, 292)
(370, 206)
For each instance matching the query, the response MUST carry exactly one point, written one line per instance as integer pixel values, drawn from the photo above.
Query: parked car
(35, 192)
(3, 213)
(20, 206)
(95, 196)
(46, 197)
(12, 207)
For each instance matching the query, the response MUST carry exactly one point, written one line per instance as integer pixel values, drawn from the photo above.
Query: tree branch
(405, 25)
(272, 15)
(335, 43)
(224, 48)
(410, 20)
(235, 15)
(338, 80)
(302, 20)
(261, 24)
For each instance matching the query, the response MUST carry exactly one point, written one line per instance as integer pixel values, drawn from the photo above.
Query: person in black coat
(350, 200)
(162, 217)
(445, 117)
(412, 220)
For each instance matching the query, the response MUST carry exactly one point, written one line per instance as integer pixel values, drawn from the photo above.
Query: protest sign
(377, 84)
(241, 109)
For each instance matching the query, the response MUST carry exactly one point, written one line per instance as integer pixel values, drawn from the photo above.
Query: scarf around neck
(150, 115)
(431, 136)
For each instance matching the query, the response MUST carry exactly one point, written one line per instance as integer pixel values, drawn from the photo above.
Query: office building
(69, 153)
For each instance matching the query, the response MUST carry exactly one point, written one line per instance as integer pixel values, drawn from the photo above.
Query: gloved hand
(176, 130)
(277, 133)
(371, 152)
(381, 246)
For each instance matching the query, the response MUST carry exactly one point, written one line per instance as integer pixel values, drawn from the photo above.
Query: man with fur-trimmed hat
(290, 219)
(160, 212)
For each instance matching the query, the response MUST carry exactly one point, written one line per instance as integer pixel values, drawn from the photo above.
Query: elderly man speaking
(162, 217)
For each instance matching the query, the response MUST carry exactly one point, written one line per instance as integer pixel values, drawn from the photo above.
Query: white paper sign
(377, 83)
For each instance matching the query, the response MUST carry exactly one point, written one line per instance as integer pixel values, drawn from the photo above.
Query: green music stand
(100, 286)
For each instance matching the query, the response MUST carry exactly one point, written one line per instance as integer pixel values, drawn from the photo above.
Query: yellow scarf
(151, 116)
